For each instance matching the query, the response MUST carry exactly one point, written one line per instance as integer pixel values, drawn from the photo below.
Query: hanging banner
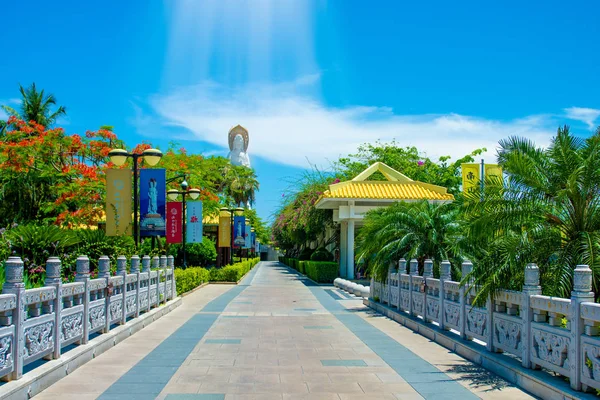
(153, 200)
(471, 174)
(239, 231)
(493, 173)
(224, 231)
(193, 231)
(257, 247)
(248, 237)
(252, 239)
(118, 202)
(174, 221)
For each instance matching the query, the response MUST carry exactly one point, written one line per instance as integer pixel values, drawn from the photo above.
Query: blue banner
(248, 238)
(153, 198)
(239, 231)
(193, 228)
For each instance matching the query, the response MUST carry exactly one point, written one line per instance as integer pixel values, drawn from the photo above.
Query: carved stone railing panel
(550, 348)
(477, 323)
(153, 295)
(452, 314)
(7, 343)
(590, 362)
(377, 290)
(38, 334)
(404, 300)
(97, 315)
(73, 289)
(418, 299)
(115, 309)
(130, 304)
(8, 302)
(433, 309)
(507, 333)
(385, 293)
(144, 299)
(71, 325)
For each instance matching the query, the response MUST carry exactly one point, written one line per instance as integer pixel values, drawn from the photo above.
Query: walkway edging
(44, 376)
(506, 368)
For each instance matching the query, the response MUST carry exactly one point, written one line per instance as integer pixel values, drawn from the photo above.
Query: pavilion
(350, 201)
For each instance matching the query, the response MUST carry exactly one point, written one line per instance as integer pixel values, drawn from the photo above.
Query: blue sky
(310, 80)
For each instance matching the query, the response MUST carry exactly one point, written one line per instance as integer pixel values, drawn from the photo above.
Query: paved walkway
(277, 336)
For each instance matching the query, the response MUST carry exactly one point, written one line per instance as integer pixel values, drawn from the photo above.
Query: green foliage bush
(305, 254)
(321, 254)
(322, 271)
(203, 254)
(192, 277)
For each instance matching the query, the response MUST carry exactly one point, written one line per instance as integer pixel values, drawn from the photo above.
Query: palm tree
(240, 184)
(548, 212)
(36, 106)
(418, 230)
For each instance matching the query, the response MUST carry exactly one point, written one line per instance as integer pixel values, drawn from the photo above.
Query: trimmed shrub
(321, 254)
(322, 271)
(302, 267)
(190, 278)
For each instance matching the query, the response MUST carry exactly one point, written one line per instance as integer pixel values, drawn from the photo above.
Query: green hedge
(192, 277)
(318, 271)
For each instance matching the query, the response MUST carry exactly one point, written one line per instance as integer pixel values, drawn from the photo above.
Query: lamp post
(119, 157)
(193, 193)
(231, 211)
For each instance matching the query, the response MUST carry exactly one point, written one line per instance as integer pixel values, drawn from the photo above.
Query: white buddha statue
(238, 146)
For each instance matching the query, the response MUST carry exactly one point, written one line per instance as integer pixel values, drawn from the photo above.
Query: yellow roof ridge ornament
(390, 173)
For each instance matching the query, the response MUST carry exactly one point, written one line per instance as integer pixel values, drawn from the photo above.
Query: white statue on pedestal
(238, 146)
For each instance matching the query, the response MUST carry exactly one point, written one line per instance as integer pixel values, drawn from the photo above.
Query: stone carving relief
(144, 299)
(130, 304)
(477, 322)
(6, 357)
(97, 317)
(591, 353)
(418, 304)
(405, 299)
(8, 302)
(38, 338)
(551, 348)
(507, 334)
(71, 326)
(433, 308)
(451, 314)
(116, 309)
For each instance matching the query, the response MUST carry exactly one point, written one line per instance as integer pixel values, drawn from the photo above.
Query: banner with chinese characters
(118, 202)
(224, 231)
(493, 173)
(193, 232)
(252, 239)
(153, 201)
(239, 231)
(471, 174)
(174, 221)
(257, 247)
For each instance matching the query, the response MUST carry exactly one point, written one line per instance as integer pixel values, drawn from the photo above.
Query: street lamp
(193, 193)
(119, 157)
(239, 211)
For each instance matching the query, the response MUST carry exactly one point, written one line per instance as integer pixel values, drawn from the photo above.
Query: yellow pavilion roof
(398, 187)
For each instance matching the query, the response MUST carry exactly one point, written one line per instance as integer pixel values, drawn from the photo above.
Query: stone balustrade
(40, 323)
(556, 334)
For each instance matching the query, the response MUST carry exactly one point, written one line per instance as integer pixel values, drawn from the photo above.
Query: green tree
(418, 230)
(35, 106)
(240, 184)
(548, 212)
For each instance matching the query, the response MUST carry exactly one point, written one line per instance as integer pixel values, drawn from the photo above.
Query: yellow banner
(224, 231)
(493, 172)
(471, 174)
(118, 202)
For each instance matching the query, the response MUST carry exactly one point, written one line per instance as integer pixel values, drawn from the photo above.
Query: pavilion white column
(343, 247)
(350, 260)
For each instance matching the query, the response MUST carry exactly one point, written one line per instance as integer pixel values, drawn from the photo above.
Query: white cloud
(587, 115)
(288, 125)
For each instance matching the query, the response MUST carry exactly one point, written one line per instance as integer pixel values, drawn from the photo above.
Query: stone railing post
(53, 278)
(82, 274)
(467, 267)
(155, 266)
(122, 271)
(163, 268)
(414, 270)
(427, 273)
(13, 269)
(445, 275)
(171, 265)
(104, 272)
(582, 292)
(146, 268)
(401, 270)
(530, 288)
(135, 269)
(372, 289)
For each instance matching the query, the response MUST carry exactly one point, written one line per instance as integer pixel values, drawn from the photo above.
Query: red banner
(174, 219)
